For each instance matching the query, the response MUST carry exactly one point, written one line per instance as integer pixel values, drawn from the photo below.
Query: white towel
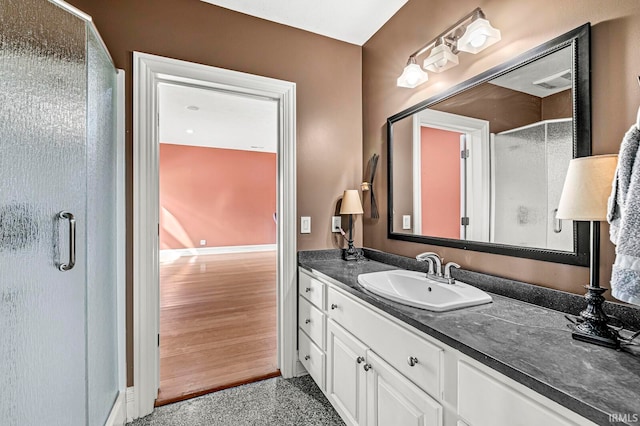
(624, 216)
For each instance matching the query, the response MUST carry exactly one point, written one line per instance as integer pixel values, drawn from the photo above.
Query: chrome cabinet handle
(557, 225)
(307, 357)
(360, 359)
(334, 306)
(307, 321)
(72, 241)
(412, 361)
(367, 367)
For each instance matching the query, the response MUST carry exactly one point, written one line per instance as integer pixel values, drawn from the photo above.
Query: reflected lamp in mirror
(351, 205)
(584, 198)
(472, 34)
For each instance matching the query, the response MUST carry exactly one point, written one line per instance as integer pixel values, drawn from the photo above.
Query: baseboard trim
(118, 415)
(199, 251)
(131, 406)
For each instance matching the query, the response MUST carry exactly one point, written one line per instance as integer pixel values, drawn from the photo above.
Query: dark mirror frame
(579, 39)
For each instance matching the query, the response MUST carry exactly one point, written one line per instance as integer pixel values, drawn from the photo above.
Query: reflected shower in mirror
(483, 167)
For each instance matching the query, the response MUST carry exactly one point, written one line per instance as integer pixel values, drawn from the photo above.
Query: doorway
(149, 73)
(218, 248)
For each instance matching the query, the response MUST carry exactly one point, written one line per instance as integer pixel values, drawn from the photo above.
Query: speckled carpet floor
(278, 402)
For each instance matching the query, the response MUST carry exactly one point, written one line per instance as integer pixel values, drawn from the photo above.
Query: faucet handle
(447, 270)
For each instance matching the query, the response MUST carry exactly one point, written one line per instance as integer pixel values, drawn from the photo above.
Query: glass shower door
(43, 172)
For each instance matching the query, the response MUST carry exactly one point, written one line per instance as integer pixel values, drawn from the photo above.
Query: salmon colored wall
(328, 77)
(440, 182)
(615, 98)
(224, 196)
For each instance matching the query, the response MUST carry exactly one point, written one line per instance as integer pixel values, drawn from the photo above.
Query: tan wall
(329, 93)
(524, 25)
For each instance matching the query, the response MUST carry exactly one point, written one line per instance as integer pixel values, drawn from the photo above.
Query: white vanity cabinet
(311, 326)
(378, 371)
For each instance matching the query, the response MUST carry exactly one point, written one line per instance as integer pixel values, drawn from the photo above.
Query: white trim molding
(130, 404)
(149, 71)
(477, 173)
(173, 254)
(118, 415)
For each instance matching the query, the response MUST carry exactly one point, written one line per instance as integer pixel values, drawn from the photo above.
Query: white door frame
(477, 173)
(148, 71)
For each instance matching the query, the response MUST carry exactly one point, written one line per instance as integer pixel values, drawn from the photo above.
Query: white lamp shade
(351, 202)
(441, 58)
(412, 76)
(587, 188)
(478, 36)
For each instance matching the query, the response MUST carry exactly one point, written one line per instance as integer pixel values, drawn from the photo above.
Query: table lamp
(584, 197)
(351, 205)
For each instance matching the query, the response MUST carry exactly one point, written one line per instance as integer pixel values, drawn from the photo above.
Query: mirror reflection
(488, 163)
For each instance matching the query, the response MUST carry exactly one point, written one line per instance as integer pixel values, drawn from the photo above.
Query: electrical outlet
(406, 221)
(305, 224)
(203, 242)
(336, 223)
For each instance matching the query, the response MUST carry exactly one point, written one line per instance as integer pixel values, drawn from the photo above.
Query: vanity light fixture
(478, 35)
(351, 205)
(412, 75)
(441, 58)
(584, 197)
(472, 34)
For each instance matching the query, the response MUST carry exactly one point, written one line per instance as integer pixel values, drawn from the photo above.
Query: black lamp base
(593, 328)
(350, 253)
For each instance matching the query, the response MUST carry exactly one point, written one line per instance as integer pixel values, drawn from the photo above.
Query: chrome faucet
(433, 259)
(447, 272)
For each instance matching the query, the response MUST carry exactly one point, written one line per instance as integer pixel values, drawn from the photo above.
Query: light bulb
(412, 76)
(478, 40)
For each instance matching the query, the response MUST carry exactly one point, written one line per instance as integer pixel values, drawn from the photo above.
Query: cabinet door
(393, 400)
(346, 377)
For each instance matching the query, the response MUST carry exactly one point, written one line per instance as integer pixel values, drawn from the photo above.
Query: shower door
(46, 134)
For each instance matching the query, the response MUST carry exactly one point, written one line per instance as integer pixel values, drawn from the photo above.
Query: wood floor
(217, 323)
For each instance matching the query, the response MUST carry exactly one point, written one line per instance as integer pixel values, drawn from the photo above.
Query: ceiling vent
(561, 80)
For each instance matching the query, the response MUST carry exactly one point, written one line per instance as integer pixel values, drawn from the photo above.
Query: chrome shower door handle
(72, 241)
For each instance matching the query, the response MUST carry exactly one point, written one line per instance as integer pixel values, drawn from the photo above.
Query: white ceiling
(353, 21)
(222, 120)
(522, 78)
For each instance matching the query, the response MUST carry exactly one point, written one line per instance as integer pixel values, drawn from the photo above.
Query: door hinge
(464, 221)
(464, 154)
(158, 229)
(158, 339)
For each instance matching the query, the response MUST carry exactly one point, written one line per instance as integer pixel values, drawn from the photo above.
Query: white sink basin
(415, 289)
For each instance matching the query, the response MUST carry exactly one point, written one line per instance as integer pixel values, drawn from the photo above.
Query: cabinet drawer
(311, 320)
(311, 289)
(486, 401)
(312, 358)
(392, 342)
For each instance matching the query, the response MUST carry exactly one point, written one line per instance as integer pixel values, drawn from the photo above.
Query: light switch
(305, 224)
(406, 221)
(336, 223)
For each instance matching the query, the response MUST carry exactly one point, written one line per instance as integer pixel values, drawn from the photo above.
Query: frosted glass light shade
(351, 202)
(412, 76)
(441, 58)
(587, 188)
(478, 36)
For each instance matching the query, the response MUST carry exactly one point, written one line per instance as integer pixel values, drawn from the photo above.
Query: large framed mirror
(481, 166)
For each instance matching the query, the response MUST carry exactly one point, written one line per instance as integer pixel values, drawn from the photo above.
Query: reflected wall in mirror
(482, 166)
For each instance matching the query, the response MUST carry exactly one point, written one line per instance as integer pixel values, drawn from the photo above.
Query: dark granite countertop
(529, 343)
